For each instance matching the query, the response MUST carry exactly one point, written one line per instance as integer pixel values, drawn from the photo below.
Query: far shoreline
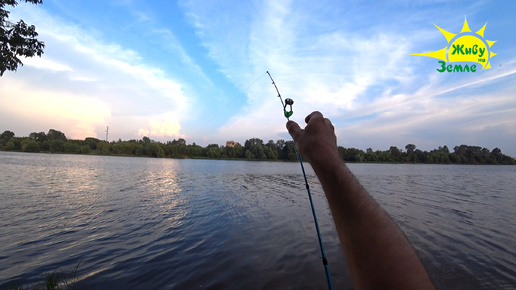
(237, 159)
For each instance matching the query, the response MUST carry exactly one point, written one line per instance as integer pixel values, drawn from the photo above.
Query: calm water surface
(144, 223)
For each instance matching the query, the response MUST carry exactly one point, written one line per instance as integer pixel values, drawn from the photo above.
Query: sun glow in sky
(197, 70)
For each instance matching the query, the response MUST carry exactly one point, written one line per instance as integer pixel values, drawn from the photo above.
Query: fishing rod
(287, 114)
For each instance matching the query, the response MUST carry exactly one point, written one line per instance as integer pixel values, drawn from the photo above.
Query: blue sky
(197, 70)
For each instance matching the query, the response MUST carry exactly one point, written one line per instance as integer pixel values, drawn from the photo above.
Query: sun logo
(463, 47)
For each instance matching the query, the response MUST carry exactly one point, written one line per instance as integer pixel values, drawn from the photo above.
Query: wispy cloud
(329, 71)
(366, 82)
(196, 70)
(89, 81)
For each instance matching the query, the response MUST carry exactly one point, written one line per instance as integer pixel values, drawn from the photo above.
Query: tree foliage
(55, 135)
(254, 149)
(16, 39)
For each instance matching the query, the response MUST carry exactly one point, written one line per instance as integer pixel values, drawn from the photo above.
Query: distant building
(231, 143)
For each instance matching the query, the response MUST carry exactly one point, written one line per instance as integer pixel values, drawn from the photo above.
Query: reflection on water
(144, 223)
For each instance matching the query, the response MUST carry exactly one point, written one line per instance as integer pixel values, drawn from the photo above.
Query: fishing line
(287, 114)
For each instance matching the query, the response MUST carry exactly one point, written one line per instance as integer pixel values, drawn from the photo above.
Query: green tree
(272, 152)
(181, 147)
(351, 154)
(496, 152)
(17, 142)
(194, 150)
(455, 158)
(254, 146)
(140, 150)
(30, 145)
(71, 147)
(395, 153)
(16, 39)
(249, 155)
(55, 135)
(154, 150)
(125, 148)
(104, 147)
(84, 149)
(279, 145)
(289, 151)
(239, 151)
(56, 146)
(7, 134)
(9, 146)
(5, 138)
(410, 148)
(91, 142)
(214, 152)
(145, 140)
(421, 157)
(206, 150)
(39, 137)
(229, 152)
(370, 156)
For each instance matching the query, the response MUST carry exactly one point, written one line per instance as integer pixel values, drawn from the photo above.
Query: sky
(197, 70)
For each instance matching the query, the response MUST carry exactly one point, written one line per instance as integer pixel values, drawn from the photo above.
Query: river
(144, 223)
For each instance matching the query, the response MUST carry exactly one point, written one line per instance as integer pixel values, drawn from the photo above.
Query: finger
(294, 130)
(312, 115)
(330, 125)
(328, 122)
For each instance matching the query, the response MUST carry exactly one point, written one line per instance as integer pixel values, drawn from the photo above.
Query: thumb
(294, 130)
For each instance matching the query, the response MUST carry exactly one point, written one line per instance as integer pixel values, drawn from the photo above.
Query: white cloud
(368, 79)
(162, 129)
(326, 56)
(84, 81)
(329, 71)
(46, 64)
(461, 113)
(76, 115)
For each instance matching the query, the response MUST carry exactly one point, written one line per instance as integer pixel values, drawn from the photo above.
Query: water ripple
(145, 223)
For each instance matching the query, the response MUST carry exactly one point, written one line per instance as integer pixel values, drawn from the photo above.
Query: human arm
(377, 252)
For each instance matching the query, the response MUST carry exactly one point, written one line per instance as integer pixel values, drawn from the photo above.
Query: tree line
(253, 149)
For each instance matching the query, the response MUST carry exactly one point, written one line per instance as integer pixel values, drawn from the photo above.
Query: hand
(317, 143)
(378, 254)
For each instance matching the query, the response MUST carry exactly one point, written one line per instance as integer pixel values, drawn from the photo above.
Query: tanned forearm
(377, 252)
